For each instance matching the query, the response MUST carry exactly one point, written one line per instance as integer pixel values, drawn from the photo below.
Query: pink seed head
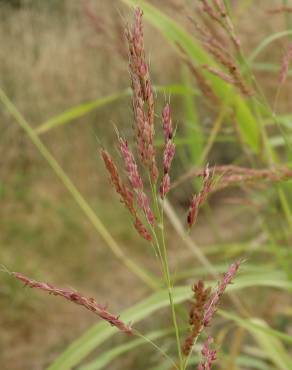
(131, 166)
(167, 124)
(168, 155)
(164, 186)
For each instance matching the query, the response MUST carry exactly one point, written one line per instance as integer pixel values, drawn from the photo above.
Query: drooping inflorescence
(77, 298)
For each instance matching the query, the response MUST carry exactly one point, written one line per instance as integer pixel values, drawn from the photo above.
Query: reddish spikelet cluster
(285, 65)
(217, 72)
(77, 298)
(203, 84)
(136, 180)
(96, 21)
(169, 150)
(203, 310)
(217, 48)
(199, 199)
(218, 13)
(131, 166)
(196, 315)
(143, 100)
(231, 175)
(209, 355)
(212, 304)
(126, 195)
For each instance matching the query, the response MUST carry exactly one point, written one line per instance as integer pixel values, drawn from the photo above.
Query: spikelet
(209, 355)
(285, 65)
(169, 151)
(126, 195)
(212, 304)
(196, 315)
(199, 199)
(136, 180)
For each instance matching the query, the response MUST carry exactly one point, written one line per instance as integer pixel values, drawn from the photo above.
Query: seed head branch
(77, 298)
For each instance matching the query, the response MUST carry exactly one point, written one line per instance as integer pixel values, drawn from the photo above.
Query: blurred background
(61, 56)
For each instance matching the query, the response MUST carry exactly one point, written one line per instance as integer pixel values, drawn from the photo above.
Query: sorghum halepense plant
(146, 207)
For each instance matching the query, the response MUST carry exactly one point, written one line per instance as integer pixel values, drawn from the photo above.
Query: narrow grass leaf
(271, 346)
(266, 42)
(106, 357)
(85, 108)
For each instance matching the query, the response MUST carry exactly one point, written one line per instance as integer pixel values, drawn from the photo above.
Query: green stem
(165, 267)
(170, 294)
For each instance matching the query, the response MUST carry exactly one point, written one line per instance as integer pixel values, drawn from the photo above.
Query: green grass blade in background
(249, 325)
(96, 335)
(106, 357)
(176, 35)
(85, 108)
(79, 111)
(193, 130)
(272, 346)
(81, 347)
(244, 115)
(267, 338)
(267, 41)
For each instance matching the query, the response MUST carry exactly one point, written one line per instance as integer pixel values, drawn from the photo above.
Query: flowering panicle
(209, 355)
(76, 297)
(216, 11)
(196, 316)
(126, 195)
(217, 72)
(285, 65)
(136, 180)
(202, 312)
(202, 82)
(219, 14)
(143, 99)
(169, 150)
(212, 304)
(200, 198)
